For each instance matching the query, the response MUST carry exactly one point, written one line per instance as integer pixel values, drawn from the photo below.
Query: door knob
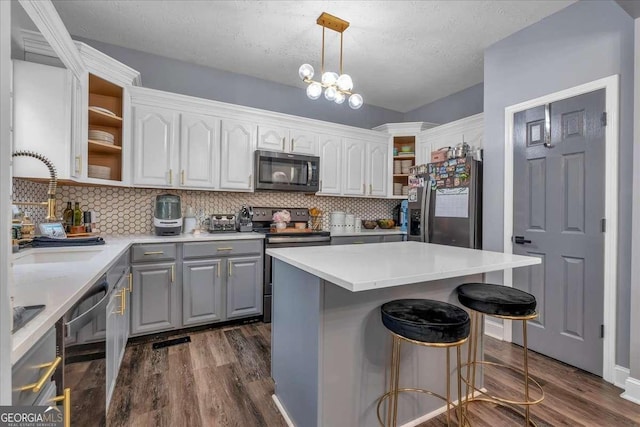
(520, 240)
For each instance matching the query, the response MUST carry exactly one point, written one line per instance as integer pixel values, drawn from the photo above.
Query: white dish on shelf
(102, 110)
(99, 172)
(102, 136)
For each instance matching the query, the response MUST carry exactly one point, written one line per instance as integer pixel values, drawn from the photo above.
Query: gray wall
(171, 75)
(459, 105)
(586, 41)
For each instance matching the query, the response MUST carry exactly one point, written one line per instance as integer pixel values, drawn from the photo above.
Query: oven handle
(298, 239)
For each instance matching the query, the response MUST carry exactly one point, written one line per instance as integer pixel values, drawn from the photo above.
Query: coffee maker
(167, 218)
(244, 219)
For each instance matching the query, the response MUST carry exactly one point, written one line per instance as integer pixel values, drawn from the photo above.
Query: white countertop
(380, 265)
(59, 285)
(374, 232)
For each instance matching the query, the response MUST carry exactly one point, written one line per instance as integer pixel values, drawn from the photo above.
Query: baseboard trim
(620, 376)
(494, 329)
(435, 413)
(632, 390)
(284, 414)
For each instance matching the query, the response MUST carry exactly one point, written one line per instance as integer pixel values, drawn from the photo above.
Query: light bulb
(330, 93)
(329, 78)
(305, 71)
(314, 90)
(355, 101)
(340, 97)
(345, 82)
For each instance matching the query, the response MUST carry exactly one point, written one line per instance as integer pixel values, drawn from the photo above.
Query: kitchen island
(330, 351)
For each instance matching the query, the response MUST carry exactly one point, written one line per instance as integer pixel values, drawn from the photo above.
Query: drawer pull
(154, 253)
(36, 387)
(358, 243)
(173, 273)
(66, 405)
(225, 249)
(230, 269)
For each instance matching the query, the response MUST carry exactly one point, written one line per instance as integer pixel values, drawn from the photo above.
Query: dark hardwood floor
(222, 378)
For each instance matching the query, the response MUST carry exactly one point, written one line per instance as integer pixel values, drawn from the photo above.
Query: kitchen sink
(57, 256)
(22, 315)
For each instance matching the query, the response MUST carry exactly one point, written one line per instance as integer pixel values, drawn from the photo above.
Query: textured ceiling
(401, 54)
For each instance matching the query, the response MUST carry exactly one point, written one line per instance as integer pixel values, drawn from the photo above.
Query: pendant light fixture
(336, 87)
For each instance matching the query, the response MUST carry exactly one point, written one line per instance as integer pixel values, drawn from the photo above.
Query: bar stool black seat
(503, 302)
(426, 323)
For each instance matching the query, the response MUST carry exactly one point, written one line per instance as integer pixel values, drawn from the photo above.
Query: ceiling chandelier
(336, 86)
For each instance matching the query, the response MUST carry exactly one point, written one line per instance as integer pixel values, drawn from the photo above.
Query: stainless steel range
(262, 219)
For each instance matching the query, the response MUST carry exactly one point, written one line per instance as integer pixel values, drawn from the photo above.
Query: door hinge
(601, 331)
(603, 119)
(603, 225)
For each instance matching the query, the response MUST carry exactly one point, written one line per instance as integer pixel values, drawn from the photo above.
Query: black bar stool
(502, 302)
(426, 323)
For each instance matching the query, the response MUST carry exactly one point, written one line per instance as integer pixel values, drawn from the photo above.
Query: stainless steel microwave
(286, 172)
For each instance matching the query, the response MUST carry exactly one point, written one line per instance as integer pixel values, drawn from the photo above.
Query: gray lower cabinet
(117, 331)
(155, 299)
(31, 368)
(378, 238)
(244, 286)
(201, 291)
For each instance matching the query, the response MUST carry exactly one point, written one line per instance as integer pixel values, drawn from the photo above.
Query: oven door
(268, 276)
(286, 172)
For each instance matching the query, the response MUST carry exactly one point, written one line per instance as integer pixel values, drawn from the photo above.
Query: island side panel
(356, 355)
(295, 342)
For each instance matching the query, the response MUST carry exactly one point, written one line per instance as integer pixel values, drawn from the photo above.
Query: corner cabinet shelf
(401, 178)
(109, 96)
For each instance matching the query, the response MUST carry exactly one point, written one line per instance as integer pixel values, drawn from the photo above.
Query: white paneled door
(154, 145)
(377, 172)
(330, 150)
(303, 142)
(272, 138)
(199, 151)
(238, 142)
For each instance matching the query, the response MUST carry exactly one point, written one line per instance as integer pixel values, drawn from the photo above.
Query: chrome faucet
(53, 183)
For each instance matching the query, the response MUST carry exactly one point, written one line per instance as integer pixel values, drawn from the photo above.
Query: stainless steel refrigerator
(446, 206)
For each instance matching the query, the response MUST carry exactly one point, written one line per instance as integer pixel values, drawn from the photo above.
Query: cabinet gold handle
(250, 176)
(320, 185)
(218, 270)
(51, 367)
(358, 243)
(292, 145)
(283, 142)
(79, 165)
(230, 265)
(370, 189)
(170, 176)
(130, 282)
(225, 249)
(66, 405)
(173, 273)
(123, 300)
(364, 189)
(182, 177)
(154, 253)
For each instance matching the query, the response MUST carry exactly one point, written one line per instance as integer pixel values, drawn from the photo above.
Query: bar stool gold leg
(396, 381)
(458, 377)
(526, 372)
(448, 388)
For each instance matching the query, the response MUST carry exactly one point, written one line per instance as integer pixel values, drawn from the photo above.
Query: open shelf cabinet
(400, 176)
(104, 94)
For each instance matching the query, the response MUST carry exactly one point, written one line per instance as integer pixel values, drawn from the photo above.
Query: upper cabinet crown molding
(406, 129)
(46, 18)
(471, 122)
(93, 60)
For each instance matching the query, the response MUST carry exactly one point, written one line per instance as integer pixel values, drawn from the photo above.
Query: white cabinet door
(303, 142)
(199, 151)
(41, 118)
(238, 142)
(377, 169)
(272, 138)
(354, 156)
(330, 164)
(154, 146)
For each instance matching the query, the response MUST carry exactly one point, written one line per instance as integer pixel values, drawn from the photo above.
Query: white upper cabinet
(281, 139)
(41, 118)
(470, 130)
(303, 142)
(199, 151)
(354, 171)
(154, 141)
(330, 164)
(377, 168)
(238, 143)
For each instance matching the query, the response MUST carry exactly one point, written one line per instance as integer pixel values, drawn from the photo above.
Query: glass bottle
(77, 214)
(67, 217)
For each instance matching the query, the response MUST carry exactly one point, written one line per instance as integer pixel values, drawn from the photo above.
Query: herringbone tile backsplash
(130, 210)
